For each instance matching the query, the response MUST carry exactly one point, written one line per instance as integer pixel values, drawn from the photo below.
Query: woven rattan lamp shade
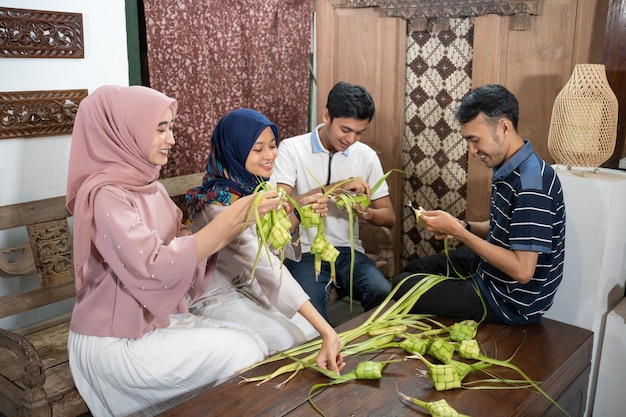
(583, 127)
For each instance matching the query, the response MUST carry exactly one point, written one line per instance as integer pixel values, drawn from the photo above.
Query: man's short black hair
(350, 101)
(494, 100)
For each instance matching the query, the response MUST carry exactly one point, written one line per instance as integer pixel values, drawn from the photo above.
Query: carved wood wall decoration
(40, 34)
(422, 14)
(38, 113)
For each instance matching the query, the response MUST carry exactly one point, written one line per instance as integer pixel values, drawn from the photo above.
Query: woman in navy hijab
(244, 147)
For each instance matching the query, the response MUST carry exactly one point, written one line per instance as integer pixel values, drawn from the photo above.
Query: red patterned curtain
(216, 56)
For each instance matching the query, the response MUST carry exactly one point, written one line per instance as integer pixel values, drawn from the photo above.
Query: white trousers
(148, 375)
(277, 331)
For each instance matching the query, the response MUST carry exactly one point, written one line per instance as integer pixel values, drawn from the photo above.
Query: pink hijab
(111, 140)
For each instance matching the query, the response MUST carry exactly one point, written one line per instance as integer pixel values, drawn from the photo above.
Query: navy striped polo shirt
(527, 213)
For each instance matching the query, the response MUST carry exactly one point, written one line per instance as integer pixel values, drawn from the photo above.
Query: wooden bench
(555, 354)
(35, 378)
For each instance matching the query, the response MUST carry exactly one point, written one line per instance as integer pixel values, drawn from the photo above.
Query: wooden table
(556, 354)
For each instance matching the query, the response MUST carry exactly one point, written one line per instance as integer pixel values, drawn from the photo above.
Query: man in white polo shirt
(330, 154)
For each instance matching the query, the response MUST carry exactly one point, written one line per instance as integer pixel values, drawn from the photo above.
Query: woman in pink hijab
(134, 348)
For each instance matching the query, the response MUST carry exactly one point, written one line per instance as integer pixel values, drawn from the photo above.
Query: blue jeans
(370, 287)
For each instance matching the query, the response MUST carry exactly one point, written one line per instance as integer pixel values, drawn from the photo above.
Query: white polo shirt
(304, 164)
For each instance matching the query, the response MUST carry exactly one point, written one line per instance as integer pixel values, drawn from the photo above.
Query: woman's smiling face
(163, 139)
(260, 161)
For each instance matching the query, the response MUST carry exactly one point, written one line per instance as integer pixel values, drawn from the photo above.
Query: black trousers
(456, 298)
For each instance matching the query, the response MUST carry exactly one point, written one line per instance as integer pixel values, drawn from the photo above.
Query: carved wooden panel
(451, 8)
(38, 113)
(51, 243)
(40, 34)
(421, 13)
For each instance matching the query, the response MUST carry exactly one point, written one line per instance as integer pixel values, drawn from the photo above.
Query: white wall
(35, 168)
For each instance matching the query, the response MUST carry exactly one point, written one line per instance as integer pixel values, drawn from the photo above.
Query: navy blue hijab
(226, 177)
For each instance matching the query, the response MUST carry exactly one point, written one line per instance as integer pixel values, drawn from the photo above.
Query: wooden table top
(556, 354)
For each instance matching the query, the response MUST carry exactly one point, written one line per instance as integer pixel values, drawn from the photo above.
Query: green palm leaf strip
(446, 250)
(470, 353)
(347, 201)
(380, 318)
(273, 229)
(363, 370)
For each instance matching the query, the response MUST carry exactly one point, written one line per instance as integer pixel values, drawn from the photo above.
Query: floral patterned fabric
(216, 56)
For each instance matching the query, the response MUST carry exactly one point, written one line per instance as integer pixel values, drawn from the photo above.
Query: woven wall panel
(438, 75)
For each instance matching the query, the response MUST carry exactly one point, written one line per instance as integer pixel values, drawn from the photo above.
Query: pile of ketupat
(454, 351)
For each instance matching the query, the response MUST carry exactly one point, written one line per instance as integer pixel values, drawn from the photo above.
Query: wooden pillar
(615, 63)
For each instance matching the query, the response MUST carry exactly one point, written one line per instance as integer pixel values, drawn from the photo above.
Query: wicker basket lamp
(583, 128)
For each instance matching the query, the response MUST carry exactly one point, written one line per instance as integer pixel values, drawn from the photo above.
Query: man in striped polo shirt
(514, 260)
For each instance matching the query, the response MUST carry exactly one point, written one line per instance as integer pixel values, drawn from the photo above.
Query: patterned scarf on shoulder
(226, 177)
